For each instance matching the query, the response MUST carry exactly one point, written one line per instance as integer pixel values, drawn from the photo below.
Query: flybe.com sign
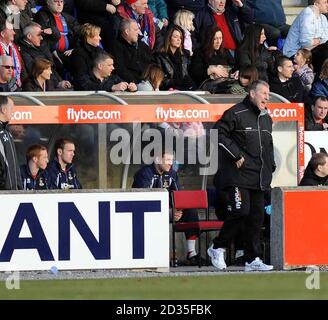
(84, 230)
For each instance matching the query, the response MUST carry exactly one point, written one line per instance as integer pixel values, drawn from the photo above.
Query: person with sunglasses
(7, 82)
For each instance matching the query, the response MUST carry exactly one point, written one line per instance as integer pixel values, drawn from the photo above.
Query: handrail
(109, 95)
(278, 96)
(26, 96)
(192, 95)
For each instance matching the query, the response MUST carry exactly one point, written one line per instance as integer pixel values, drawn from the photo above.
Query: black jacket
(311, 179)
(292, 89)
(10, 178)
(82, 60)
(175, 67)
(245, 131)
(90, 83)
(47, 20)
(32, 85)
(131, 61)
(310, 124)
(200, 63)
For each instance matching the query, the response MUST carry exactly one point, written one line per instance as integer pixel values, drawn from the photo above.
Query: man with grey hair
(9, 169)
(245, 140)
(7, 81)
(132, 56)
(32, 48)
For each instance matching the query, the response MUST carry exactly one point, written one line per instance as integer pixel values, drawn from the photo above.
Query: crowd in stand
(220, 46)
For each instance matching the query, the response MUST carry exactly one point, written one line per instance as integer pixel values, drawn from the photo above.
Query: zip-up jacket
(40, 182)
(246, 131)
(60, 179)
(148, 177)
(9, 169)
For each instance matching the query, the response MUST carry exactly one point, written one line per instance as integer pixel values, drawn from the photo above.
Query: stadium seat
(192, 199)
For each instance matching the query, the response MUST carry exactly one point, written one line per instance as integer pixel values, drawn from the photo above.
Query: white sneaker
(257, 265)
(217, 257)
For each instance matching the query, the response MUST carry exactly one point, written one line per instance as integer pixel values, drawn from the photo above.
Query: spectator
(271, 16)
(61, 171)
(231, 17)
(303, 67)
(15, 12)
(82, 58)
(316, 119)
(101, 77)
(64, 31)
(161, 175)
(212, 59)
(152, 79)
(252, 51)
(31, 48)
(7, 82)
(138, 11)
(174, 61)
(244, 133)
(316, 172)
(40, 77)
(284, 84)
(8, 48)
(247, 76)
(184, 19)
(308, 30)
(131, 55)
(320, 85)
(33, 173)
(9, 168)
(100, 13)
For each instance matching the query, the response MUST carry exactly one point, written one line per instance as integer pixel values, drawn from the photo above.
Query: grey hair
(30, 28)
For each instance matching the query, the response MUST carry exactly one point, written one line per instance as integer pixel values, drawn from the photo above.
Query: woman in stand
(39, 80)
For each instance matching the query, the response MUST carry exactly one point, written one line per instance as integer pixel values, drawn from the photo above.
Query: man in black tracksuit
(9, 168)
(244, 135)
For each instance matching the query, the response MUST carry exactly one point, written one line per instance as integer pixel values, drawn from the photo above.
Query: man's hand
(67, 53)
(237, 3)
(122, 86)
(47, 31)
(110, 8)
(132, 87)
(177, 215)
(64, 84)
(240, 162)
(165, 22)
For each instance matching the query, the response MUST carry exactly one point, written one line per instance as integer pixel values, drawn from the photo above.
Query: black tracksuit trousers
(244, 206)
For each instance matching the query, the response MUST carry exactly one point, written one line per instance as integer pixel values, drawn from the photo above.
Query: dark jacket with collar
(40, 182)
(47, 20)
(148, 177)
(82, 60)
(237, 19)
(311, 179)
(130, 60)
(60, 179)
(310, 124)
(10, 178)
(245, 131)
(90, 82)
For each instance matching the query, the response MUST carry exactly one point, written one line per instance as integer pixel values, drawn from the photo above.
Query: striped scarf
(12, 51)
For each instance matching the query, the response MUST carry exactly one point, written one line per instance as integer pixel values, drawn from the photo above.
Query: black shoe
(193, 261)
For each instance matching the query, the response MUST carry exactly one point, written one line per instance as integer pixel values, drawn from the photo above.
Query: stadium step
(292, 8)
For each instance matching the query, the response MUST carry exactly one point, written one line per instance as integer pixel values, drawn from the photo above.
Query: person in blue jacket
(62, 173)
(160, 174)
(33, 173)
